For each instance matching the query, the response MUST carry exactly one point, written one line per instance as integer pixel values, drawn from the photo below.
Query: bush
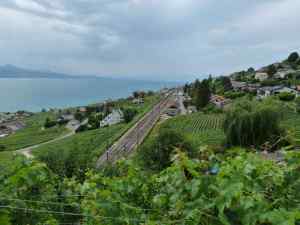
(251, 123)
(234, 94)
(286, 96)
(129, 114)
(2, 148)
(211, 108)
(49, 123)
(156, 153)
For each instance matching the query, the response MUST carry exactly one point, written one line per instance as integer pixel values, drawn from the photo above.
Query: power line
(70, 214)
(69, 204)
(41, 202)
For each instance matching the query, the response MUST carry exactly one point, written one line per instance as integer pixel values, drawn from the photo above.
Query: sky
(147, 39)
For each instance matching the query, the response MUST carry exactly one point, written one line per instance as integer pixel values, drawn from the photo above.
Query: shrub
(2, 148)
(250, 123)
(49, 123)
(286, 96)
(156, 153)
(129, 114)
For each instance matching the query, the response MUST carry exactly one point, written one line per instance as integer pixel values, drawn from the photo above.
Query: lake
(36, 94)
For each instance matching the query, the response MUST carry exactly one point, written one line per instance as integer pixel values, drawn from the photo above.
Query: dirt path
(27, 152)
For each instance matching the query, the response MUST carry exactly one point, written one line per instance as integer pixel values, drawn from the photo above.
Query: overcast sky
(147, 39)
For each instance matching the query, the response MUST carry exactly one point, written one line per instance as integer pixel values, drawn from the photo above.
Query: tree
(49, 123)
(79, 116)
(250, 123)
(129, 114)
(156, 154)
(226, 82)
(251, 70)
(2, 147)
(293, 57)
(201, 94)
(271, 70)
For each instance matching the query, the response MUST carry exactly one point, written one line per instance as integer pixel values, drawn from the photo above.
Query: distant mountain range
(11, 71)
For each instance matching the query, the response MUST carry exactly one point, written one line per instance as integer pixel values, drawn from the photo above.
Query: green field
(201, 129)
(33, 133)
(94, 142)
(91, 142)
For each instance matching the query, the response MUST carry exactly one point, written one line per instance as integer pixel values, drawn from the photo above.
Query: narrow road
(134, 136)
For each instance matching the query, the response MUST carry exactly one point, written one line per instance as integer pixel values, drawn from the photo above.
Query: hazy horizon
(147, 39)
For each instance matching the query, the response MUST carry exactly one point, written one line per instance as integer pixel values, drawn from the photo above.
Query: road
(134, 136)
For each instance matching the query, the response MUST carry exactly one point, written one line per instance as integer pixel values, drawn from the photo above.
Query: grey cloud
(163, 37)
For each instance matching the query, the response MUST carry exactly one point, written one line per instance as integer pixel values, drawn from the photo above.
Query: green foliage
(156, 154)
(73, 156)
(200, 129)
(234, 94)
(293, 57)
(251, 123)
(129, 114)
(33, 133)
(49, 123)
(201, 94)
(286, 96)
(271, 70)
(2, 148)
(211, 108)
(297, 101)
(270, 82)
(247, 190)
(94, 121)
(79, 116)
(26, 181)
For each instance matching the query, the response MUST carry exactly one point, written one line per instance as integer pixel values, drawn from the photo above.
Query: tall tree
(202, 94)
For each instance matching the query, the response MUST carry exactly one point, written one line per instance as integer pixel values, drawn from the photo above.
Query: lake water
(35, 94)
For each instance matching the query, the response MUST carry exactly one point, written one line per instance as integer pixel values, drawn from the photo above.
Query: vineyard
(200, 128)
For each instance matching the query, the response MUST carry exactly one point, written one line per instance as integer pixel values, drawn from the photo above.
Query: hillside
(11, 71)
(284, 70)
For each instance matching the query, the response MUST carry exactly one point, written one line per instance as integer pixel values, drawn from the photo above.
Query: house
(115, 117)
(238, 86)
(283, 73)
(261, 76)
(191, 109)
(138, 101)
(219, 101)
(267, 91)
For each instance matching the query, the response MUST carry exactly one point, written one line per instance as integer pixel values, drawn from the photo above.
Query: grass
(94, 142)
(199, 128)
(33, 133)
(90, 142)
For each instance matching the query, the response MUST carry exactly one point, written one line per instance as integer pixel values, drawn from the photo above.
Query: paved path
(134, 136)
